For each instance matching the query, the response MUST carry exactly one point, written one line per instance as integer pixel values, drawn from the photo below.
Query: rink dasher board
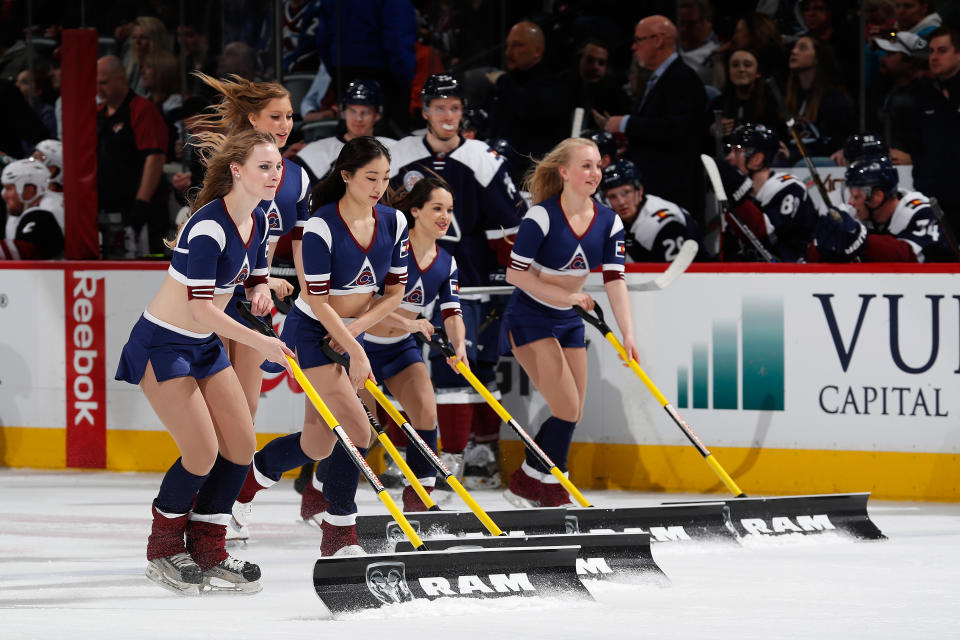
(351, 583)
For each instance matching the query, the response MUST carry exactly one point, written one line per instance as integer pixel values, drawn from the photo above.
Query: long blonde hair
(217, 153)
(241, 99)
(543, 180)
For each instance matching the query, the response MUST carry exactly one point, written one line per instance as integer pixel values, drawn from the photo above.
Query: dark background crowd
(842, 66)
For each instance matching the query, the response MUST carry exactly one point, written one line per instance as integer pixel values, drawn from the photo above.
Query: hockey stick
(439, 341)
(686, 255)
(710, 165)
(688, 251)
(938, 212)
(258, 325)
(417, 442)
(604, 328)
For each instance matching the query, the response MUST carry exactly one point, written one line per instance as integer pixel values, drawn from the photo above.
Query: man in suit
(662, 132)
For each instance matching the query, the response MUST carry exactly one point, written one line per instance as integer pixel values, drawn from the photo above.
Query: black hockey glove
(841, 234)
(138, 214)
(736, 184)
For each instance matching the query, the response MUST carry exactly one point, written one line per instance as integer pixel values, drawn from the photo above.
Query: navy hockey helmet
(475, 119)
(619, 173)
(604, 141)
(860, 145)
(363, 91)
(440, 85)
(503, 148)
(754, 138)
(876, 172)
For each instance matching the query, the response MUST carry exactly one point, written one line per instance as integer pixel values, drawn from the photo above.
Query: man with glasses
(662, 132)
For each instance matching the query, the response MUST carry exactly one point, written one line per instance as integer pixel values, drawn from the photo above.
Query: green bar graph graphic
(681, 387)
(701, 375)
(725, 365)
(763, 365)
(743, 364)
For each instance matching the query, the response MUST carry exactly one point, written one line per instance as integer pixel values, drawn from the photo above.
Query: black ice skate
(232, 576)
(177, 573)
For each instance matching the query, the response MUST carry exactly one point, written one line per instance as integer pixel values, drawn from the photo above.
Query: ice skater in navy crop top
(351, 248)
(561, 239)
(175, 356)
(264, 106)
(395, 355)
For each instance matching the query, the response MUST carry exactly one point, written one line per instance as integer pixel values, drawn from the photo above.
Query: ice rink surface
(72, 559)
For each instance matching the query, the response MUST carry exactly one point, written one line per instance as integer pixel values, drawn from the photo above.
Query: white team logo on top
(273, 216)
(366, 277)
(410, 178)
(578, 262)
(415, 295)
(242, 274)
(453, 231)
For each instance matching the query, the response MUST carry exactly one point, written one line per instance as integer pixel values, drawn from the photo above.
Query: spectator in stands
(35, 87)
(376, 41)
(593, 86)
(148, 35)
(320, 100)
(237, 58)
(825, 21)
(428, 62)
(160, 77)
(915, 16)
(816, 99)
(697, 40)
(36, 233)
(938, 126)
(20, 128)
(903, 64)
(300, 21)
(758, 33)
(659, 131)
(131, 140)
(745, 98)
(195, 45)
(531, 109)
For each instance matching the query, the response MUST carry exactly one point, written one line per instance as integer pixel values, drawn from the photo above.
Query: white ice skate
(237, 530)
(442, 493)
(177, 573)
(349, 550)
(232, 576)
(481, 466)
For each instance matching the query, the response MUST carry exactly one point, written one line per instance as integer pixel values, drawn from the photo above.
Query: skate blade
(478, 483)
(518, 501)
(442, 496)
(154, 574)
(313, 522)
(219, 585)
